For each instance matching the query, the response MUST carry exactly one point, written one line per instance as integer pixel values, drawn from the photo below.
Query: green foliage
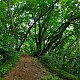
(7, 49)
(5, 68)
(50, 77)
(42, 27)
(58, 71)
(67, 60)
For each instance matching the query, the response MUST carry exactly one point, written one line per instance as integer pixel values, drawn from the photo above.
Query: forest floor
(27, 69)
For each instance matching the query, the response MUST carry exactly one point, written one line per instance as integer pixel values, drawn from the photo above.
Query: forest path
(27, 69)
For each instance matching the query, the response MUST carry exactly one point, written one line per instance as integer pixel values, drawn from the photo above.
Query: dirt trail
(26, 69)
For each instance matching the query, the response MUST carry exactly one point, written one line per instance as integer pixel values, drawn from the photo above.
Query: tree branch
(72, 43)
(25, 36)
(55, 38)
(11, 18)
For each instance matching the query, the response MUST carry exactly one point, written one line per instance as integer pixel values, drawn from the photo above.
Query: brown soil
(27, 68)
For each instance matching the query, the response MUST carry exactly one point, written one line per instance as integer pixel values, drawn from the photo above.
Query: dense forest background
(46, 29)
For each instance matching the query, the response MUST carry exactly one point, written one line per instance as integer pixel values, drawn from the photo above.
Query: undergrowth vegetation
(50, 77)
(64, 65)
(7, 65)
(46, 29)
